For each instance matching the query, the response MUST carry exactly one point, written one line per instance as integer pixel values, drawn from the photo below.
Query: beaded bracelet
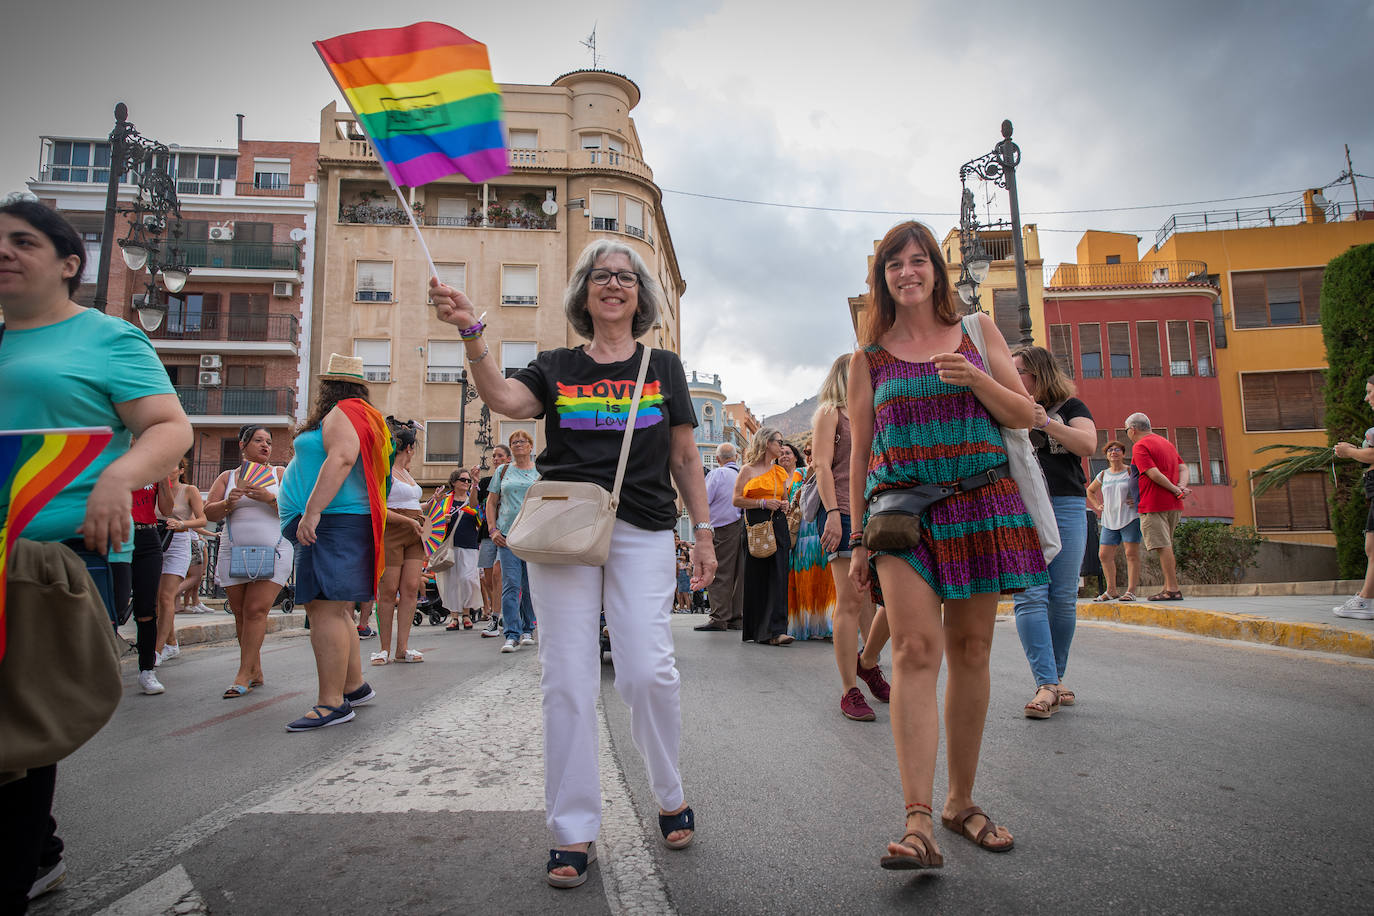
(473, 332)
(856, 539)
(474, 360)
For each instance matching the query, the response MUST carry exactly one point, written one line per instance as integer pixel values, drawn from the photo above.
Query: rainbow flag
(35, 464)
(436, 520)
(424, 96)
(376, 451)
(252, 474)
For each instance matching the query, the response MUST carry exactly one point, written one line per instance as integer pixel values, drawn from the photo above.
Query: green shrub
(1347, 302)
(1214, 553)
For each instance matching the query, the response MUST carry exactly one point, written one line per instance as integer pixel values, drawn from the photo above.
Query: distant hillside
(794, 421)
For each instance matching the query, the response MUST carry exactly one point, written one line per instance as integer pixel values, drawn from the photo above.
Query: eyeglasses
(626, 278)
(464, 480)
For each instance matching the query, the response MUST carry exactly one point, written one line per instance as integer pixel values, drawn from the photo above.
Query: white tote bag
(1025, 467)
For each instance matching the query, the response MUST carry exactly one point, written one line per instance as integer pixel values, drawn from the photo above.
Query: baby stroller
(431, 605)
(605, 651)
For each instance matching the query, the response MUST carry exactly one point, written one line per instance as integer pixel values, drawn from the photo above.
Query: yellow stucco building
(1269, 352)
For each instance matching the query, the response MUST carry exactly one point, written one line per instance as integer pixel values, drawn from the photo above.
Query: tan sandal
(959, 824)
(1066, 696)
(1038, 708)
(923, 856)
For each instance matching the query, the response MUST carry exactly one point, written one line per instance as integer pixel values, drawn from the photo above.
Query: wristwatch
(702, 526)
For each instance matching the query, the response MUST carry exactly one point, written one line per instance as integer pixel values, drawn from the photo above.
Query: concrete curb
(222, 628)
(1221, 625)
(1276, 589)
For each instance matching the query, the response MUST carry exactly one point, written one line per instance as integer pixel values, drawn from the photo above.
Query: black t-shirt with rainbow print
(586, 406)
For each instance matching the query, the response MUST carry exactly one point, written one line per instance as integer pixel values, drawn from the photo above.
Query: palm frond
(1302, 459)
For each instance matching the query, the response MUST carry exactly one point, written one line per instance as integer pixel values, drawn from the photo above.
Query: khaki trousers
(727, 589)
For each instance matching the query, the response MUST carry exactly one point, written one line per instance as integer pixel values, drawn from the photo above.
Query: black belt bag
(894, 516)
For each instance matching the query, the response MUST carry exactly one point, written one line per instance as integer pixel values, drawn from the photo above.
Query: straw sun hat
(344, 369)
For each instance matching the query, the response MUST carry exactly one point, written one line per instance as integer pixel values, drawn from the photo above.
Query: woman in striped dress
(924, 409)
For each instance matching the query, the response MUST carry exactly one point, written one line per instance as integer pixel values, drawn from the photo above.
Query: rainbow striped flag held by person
(425, 97)
(376, 451)
(35, 464)
(436, 520)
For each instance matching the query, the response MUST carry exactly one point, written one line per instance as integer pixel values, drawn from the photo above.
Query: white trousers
(635, 588)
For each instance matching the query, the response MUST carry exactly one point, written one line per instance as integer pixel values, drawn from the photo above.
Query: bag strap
(974, 328)
(630, 428)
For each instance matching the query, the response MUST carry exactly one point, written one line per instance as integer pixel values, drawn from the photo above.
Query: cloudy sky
(863, 110)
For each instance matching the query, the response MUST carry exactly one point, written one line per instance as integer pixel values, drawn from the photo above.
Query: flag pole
(410, 214)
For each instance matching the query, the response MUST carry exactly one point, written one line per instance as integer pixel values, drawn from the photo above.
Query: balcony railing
(236, 402)
(271, 328)
(253, 189)
(1252, 218)
(241, 255)
(1136, 273)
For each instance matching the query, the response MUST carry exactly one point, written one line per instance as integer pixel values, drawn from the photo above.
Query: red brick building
(234, 341)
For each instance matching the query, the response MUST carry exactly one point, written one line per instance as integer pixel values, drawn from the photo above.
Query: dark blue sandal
(670, 823)
(569, 858)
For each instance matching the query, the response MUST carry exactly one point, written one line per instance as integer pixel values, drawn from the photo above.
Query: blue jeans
(515, 590)
(1046, 614)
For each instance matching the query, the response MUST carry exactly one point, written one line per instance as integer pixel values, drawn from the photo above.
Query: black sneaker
(493, 627)
(360, 696)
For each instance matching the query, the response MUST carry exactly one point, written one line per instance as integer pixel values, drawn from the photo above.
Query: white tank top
(403, 495)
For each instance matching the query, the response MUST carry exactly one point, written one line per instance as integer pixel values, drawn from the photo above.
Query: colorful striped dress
(927, 431)
(810, 588)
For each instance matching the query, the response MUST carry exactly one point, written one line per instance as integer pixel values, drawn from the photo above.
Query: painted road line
(169, 894)
(241, 711)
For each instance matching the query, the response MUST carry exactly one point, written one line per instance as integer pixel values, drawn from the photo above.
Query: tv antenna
(590, 45)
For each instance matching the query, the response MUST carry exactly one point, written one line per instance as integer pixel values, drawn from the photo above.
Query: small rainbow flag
(376, 450)
(252, 474)
(436, 520)
(35, 464)
(425, 97)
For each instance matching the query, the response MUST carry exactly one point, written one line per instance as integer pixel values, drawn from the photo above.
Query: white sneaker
(202, 609)
(48, 879)
(527, 639)
(511, 646)
(149, 682)
(1357, 607)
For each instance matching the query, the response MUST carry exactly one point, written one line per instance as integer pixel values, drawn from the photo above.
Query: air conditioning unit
(283, 288)
(210, 361)
(223, 233)
(209, 379)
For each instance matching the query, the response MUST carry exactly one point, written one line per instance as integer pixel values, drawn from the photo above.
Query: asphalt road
(1192, 776)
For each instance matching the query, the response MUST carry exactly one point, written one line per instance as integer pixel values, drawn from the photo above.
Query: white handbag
(566, 523)
(1025, 467)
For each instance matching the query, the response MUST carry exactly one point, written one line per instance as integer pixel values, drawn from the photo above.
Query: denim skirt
(339, 565)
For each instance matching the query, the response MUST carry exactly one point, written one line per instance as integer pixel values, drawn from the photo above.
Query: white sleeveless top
(252, 523)
(403, 495)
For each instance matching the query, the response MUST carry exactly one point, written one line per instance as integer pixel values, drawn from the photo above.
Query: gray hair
(575, 298)
(1138, 421)
(725, 453)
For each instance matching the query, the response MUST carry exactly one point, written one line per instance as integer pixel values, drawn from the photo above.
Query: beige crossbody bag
(569, 523)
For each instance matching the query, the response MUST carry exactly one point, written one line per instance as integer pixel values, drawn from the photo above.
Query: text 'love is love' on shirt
(586, 405)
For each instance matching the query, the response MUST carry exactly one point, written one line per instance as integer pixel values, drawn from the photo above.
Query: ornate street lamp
(999, 167)
(156, 200)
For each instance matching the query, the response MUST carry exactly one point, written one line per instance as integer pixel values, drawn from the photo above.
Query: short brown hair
(881, 312)
(1110, 443)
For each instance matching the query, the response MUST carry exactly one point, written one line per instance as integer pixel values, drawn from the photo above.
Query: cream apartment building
(578, 173)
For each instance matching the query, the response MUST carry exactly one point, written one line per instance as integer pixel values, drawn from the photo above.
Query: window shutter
(1249, 308)
(1299, 397)
(519, 280)
(1307, 502)
(1311, 284)
(605, 206)
(524, 139)
(1090, 346)
(1185, 440)
(1202, 349)
(1258, 394)
(1119, 346)
(443, 441)
(634, 214)
(1271, 509)
(1285, 297)
(374, 276)
(376, 356)
(1006, 311)
(517, 354)
(1180, 356)
(445, 354)
(1147, 337)
(1216, 455)
(452, 275)
(1061, 347)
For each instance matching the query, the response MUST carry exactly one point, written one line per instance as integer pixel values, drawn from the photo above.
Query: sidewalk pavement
(1295, 615)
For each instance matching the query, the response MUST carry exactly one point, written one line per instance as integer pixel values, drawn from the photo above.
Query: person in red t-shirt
(1163, 487)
